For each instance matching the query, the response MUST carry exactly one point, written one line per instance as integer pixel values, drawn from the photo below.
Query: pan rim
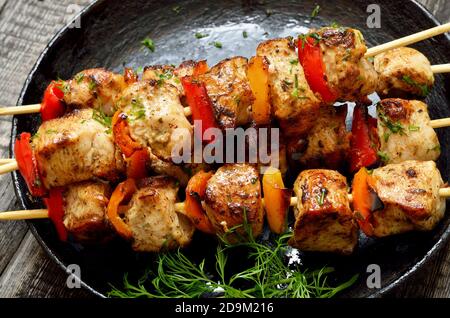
(58, 37)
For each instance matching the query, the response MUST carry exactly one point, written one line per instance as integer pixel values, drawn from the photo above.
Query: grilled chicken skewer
(109, 84)
(391, 200)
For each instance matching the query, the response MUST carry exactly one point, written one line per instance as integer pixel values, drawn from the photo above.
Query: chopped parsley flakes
(424, 89)
(149, 44)
(315, 12)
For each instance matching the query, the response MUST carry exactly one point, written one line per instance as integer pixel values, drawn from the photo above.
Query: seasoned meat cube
(230, 93)
(410, 195)
(155, 117)
(403, 71)
(294, 104)
(323, 218)
(75, 148)
(232, 193)
(94, 88)
(168, 73)
(85, 211)
(328, 142)
(152, 218)
(405, 131)
(347, 72)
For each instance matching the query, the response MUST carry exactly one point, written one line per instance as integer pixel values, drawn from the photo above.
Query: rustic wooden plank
(26, 271)
(25, 29)
(32, 274)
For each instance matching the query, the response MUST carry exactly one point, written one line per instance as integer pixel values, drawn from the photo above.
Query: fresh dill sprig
(268, 276)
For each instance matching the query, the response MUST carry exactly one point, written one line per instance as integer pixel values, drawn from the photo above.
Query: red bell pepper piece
(27, 165)
(200, 104)
(55, 206)
(52, 105)
(310, 57)
(364, 141)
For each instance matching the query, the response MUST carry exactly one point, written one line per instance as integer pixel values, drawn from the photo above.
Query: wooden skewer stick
(9, 165)
(36, 108)
(440, 68)
(407, 40)
(3, 161)
(179, 207)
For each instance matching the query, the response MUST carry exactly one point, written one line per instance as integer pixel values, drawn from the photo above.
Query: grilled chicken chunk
(155, 117)
(75, 148)
(152, 218)
(232, 193)
(230, 93)
(169, 74)
(328, 142)
(347, 72)
(405, 131)
(403, 71)
(294, 104)
(323, 218)
(85, 211)
(94, 88)
(410, 195)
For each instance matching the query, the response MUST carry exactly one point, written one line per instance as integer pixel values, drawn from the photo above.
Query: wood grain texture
(25, 270)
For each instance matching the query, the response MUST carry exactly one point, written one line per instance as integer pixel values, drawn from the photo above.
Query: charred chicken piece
(155, 117)
(85, 206)
(152, 218)
(347, 72)
(94, 88)
(403, 72)
(74, 148)
(233, 193)
(230, 93)
(327, 144)
(323, 218)
(294, 104)
(410, 195)
(405, 132)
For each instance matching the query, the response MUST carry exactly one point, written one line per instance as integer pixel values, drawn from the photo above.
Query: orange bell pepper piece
(122, 137)
(200, 68)
(195, 193)
(363, 201)
(276, 200)
(123, 192)
(137, 164)
(258, 76)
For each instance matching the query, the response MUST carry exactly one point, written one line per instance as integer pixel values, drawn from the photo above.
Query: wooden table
(25, 270)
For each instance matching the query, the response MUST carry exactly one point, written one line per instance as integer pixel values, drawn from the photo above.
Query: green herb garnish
(102, 118)
(149, 44)
(321, 197)
(413, 128)
(267, 276)
(92, 85)
(244, 34)
(176, 9)
(217, 44)
(79, 77)
(424, 89)
(199, 35)
(315, 12)
(383, 156)
(394, 127)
